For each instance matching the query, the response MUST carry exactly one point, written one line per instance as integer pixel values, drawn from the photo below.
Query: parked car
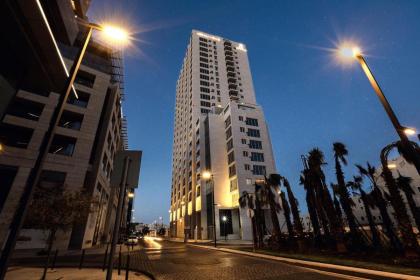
(132, 240)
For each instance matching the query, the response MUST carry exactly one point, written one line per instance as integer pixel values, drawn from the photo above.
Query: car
(132, 240)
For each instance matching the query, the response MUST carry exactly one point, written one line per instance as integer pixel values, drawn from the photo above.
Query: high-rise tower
(220, 129)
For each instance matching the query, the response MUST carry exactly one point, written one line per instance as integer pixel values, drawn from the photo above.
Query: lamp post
(353, 52)
(224, 219)
(116, 34)
(209, 177)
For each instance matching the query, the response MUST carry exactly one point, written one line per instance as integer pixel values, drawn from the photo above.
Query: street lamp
(350, 52)
(112, 34)
(224, 219)
(208, 176)
(130, 195)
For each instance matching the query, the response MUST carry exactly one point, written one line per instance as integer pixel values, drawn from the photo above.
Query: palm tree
(312, 208)
(246, 200)
(356, 185)
(410, 243)
(286, 212)
(259, 217)
(379, 200)
(404, 183)
(340, 153)
(315, 162)
(337, 205)
(294, 206)
(268, 192)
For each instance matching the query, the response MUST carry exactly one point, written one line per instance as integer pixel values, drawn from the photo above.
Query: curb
(341, 269)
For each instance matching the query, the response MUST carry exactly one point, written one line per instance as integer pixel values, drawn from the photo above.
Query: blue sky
(309, 100)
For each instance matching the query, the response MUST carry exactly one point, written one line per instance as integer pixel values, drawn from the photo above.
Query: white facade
(218, 128)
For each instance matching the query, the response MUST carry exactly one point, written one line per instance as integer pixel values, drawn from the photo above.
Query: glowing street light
(350, 52)
(208, 176)
(130, 195)
(392, 165)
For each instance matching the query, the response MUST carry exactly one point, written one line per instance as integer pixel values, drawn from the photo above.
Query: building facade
(219, 128)
(91, 130)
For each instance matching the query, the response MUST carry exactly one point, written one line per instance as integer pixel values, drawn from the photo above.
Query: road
(171, 260)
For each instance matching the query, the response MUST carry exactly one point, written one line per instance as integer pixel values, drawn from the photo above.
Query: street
(171, 260)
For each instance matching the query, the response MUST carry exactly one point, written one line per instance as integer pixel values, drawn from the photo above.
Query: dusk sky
(308, 99)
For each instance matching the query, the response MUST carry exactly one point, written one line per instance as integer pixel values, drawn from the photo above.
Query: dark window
(245, 153)
(63, 145)
(232, 170)
(227, 122)
(204, 65)
(203, 49)
(258, 169)
(81, 101)
(228, 133)
(202, 59)
(229, 145)
(25, 109)
(253, 132)
(71, 120)
(241, 118)
(254, 144)
(203, 89)
(52, 179)
(205, 96)
(85, 78)
(205, 104)
(204, 54)
(204, 77)
(250, 121)
(257, 157)
(204, 71)
(202, 39)
(204, 83)
(246, 166)
(15, 136)
(231, 157)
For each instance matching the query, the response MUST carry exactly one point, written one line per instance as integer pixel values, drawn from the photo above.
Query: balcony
(63, 145)
(230, 63)
(24, 108)
(227, 43)
(233, 87)
(231, 80)
(231, 75)
(229, 58)
(228, 48)
(230, 53)
(233, 93)
(230, 69)
(82, 101)
(71, 120)
(15, 136)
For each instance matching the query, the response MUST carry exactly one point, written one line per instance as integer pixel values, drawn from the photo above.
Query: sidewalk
(233, 242)
(346, 270)
(27, 273)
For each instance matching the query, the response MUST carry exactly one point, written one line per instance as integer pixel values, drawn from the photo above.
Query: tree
(294, 206)
(379, 200)
(337, 205)
(410, 243)
(286, 212)
(270, 188)
(317, 177)
(55, 208)
(404, 183)
(246, 200)
(340, 153)
(356, 185)
(311, 203)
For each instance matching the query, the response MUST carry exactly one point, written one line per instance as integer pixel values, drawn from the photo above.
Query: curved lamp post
(208, 176)
(350, 53)
(112, 34)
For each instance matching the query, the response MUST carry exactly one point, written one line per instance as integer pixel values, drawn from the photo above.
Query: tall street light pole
(355, 53)
(35, 173)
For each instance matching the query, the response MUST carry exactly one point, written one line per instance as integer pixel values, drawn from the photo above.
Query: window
(248, 181)
(204, 111)
(245, 153)
(242, 129)
(243, 141)
(258, 169)
(63, 145)
(233, 185)
(246, 166)
(241, 118)
(204, 71)
(202, 39)
(257, 157)
(203, 44)
(205, 104)
(85, 78)
(227, 122)
(204, 77)
(203, 49)
(204, 65)
(204, 54)
(253, 132)
(24, 108)
(7, 177)
(254, 144)
(202, 59)
(205, 96)
(228, 133)
(204, 83)
(231, 157)
(82, 101)
(198, 192)
(232, 170)
(71, 120)
(15, 136)
(203, 89)
(229, 145)
(250, 121)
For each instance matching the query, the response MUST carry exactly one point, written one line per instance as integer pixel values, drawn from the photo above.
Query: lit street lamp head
(130, 194)
(409, 131)
(206, 175)
(348, 52)
(224, 218)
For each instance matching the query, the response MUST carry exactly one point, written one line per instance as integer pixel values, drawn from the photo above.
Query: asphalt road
(171, 260)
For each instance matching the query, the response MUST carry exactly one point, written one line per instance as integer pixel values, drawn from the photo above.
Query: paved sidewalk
(354, 271)
(28, 273)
